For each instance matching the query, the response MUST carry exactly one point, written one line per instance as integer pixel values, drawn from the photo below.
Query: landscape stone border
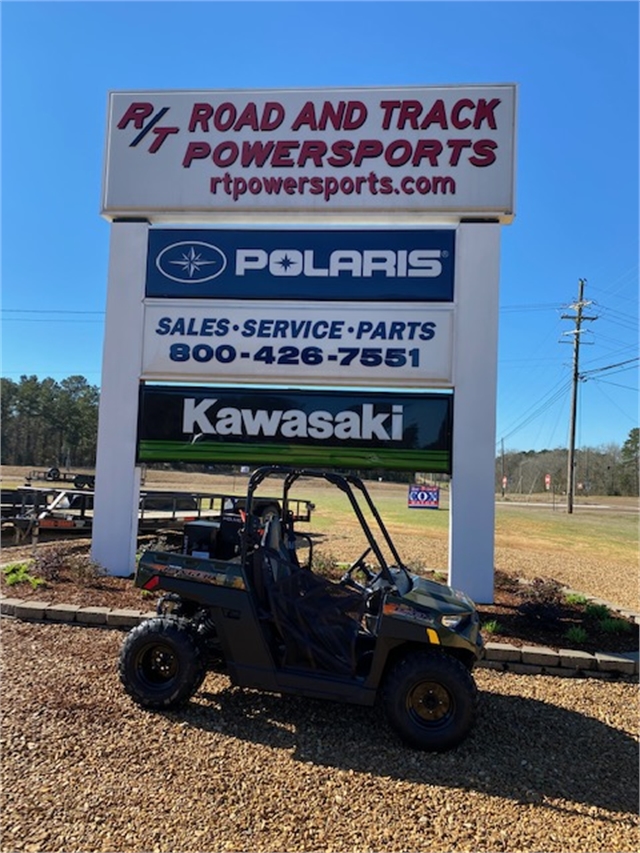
(524, 660)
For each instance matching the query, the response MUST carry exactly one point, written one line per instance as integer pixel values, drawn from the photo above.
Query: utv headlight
(453, 621)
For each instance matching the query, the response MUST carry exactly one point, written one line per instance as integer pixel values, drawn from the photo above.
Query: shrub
(597, 611)
(156, 543)
(326, 564)
(542, 599)
(576, 634)
(575, 598)
(492, 627)
(83, 568)
(542, 591)
(49, 562)
(16, 573)
(52, 562)
(613, 625)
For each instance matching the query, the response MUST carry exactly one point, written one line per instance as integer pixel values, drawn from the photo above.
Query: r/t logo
(138, 113)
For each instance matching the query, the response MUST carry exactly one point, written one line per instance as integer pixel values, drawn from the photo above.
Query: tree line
(47, 423)
(607, 470)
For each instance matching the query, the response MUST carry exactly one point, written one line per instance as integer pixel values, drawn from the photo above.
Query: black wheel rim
(156, 665)
(429, 703)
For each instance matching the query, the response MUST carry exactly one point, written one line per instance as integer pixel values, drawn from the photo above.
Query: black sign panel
(324, 428)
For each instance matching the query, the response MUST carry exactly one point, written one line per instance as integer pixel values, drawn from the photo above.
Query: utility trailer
(55, 475)
(67, 511)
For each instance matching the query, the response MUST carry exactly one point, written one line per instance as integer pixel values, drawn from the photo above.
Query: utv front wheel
(430, 700)
(161, 665)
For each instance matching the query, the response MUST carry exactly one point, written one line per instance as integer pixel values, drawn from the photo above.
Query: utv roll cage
(346, 483)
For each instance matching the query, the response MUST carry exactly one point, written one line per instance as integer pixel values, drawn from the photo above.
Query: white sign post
(472, 502)
(438, 157)
(117, 493)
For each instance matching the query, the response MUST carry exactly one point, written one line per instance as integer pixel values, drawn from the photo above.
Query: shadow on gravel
(522, 749)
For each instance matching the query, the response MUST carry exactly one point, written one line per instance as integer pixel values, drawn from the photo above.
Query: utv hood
(437, 596)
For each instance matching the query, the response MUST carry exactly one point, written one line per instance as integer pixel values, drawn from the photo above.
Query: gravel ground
(551, 766)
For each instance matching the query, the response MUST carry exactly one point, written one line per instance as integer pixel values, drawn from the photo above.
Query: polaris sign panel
(350, 264)
(316, 343)
(321, 152)
(330, 429)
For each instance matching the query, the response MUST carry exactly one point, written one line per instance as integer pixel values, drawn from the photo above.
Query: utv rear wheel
(430, 700)
(161, 665)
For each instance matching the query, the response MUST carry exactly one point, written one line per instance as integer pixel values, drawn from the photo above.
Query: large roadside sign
(422, 150)
(305, 427)
(338, 248)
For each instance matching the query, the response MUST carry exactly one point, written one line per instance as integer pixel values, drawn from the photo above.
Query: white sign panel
(234, 154)
(312, 343)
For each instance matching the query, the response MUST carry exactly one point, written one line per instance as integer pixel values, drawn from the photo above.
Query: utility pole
(578, 318)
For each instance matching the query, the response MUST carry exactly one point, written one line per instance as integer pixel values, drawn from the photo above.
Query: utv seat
(276, 552)
(272, 561)
(316, 622)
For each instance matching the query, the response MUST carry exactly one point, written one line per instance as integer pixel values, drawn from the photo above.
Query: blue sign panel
(346, 265)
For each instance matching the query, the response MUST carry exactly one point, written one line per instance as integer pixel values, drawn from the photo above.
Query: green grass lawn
(611, 534)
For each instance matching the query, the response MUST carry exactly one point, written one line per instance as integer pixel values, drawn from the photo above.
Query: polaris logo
(191, 262)
(364, 423)
(415, 263)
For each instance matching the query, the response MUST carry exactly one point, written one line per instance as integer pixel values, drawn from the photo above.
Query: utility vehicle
(243, 594)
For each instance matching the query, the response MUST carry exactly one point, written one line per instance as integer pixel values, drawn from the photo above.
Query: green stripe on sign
(396, 459)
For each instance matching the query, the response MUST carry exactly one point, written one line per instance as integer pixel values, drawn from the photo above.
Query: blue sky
(576, 65)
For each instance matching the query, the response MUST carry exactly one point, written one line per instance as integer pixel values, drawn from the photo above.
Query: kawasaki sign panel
(346, 264)
(331, 429)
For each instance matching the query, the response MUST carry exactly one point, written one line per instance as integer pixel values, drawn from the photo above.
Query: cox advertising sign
(423, 497)
(417, 149)
(386, 345)
(330, 429)
(346, 264)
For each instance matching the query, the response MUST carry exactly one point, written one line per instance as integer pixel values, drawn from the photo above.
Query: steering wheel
(358, 565)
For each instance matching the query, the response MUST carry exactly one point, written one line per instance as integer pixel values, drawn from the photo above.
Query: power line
(613, 403)
(588, 373)
(617, 385)
(542, 406)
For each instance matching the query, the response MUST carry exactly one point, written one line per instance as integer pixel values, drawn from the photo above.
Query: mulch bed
(528, 613)
(538, 613)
